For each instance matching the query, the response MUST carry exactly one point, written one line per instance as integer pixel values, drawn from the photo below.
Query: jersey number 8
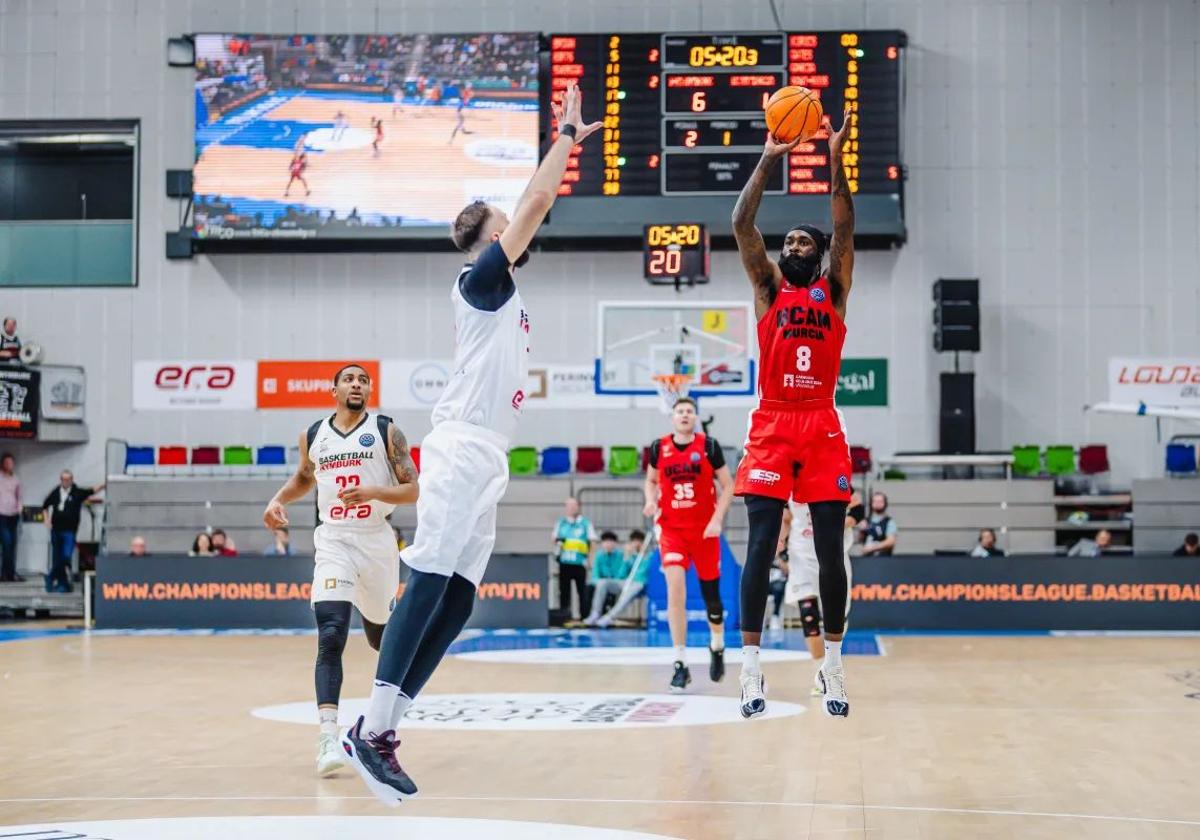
(803, 357)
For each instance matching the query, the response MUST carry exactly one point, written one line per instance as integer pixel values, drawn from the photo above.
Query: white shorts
(464, 473)
(804, 578)
(359, 565)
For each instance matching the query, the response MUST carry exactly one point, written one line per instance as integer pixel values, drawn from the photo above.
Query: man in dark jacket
(62, 508)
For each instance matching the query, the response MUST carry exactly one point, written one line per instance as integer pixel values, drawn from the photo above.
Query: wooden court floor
(949, 737)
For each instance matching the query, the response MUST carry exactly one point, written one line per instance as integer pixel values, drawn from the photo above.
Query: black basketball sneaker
(682, 678)
(374, 756)
(716, 664)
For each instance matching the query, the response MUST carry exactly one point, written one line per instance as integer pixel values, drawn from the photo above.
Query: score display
(671, 252)
(683, 113)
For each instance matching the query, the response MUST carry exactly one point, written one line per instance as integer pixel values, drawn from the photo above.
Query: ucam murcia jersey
(491, 364)
(351, 460)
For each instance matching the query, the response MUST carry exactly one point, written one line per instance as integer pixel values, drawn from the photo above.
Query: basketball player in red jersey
(679, 487)
(296, 168)
(796, 447)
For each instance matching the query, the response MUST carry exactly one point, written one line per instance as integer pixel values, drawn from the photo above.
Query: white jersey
(350, 460)
(491, 364)
(800, 539)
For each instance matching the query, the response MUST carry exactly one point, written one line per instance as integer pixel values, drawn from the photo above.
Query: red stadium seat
(645, 458)
(172, 456)
(1093, 459)
(206, 456)
(860, 459)
(589, 459)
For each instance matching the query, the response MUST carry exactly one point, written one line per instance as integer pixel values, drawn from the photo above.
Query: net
(671, 386)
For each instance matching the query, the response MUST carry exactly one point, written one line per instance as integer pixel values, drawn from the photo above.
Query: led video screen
(352, 136)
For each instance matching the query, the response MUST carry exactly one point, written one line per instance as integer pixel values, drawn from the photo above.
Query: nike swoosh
(833, 434)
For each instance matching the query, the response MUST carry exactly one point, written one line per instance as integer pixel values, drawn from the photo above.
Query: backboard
(712, 340)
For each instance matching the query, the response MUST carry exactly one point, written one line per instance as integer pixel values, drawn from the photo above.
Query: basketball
(793, 112)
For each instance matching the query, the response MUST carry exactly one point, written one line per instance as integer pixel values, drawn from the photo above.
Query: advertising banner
(177, 591)
(187, 385)
(64, 390)
(306, 384)
(413, 383)
(862, 382)
(18, 402)
(1025, 593)
(1154, 381)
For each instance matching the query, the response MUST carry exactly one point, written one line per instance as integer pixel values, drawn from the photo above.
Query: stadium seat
(1060, 460)
(1027, 460)
(415, 452)
(271, 456)
(205, 456)
(237, 456)
(589, 459)
(1093, 459)
(1181, 459)
(623, 460)
(522, 460)
(139, 456)
(172, 456)
(645, 458)
(556, 460)
(860, 459)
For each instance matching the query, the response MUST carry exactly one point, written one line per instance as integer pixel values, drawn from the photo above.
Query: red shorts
(797, 451)
(679, 546)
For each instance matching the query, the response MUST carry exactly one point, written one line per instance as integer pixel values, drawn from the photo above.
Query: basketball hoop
(671, 386)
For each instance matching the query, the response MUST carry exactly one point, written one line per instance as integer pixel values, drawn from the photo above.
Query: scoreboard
(683, 113)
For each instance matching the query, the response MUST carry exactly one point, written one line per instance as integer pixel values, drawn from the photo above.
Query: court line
(834, 806)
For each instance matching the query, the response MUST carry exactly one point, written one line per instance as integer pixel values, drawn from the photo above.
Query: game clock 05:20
(671, 251)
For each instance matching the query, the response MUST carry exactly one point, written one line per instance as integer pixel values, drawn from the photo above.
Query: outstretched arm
(296, 487)
(763, 272)
(539, 196)
(841, 250)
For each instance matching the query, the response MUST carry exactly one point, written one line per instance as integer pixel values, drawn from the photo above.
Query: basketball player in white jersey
(464, 458)
(361, 466)
(803, 583)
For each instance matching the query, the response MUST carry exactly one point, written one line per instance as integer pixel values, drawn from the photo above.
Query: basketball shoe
(374, 756)
(833, 687)
(716, 664)
(681, 679)
(330, 757)
(754, 694)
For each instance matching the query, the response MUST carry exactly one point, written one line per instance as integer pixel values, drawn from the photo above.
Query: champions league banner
(1117, 592)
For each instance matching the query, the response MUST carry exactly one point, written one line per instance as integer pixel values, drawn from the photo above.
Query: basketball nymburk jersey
(491, 363)
(357, 458)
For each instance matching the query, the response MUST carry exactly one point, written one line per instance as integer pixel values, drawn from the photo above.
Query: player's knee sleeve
(711, 590)
(829, 525)
(374, 633)
(333, 627)
(766, 518)
(810, 617)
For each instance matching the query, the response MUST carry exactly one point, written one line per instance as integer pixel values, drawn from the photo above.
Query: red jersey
(298, 165)
(800, 342)
(685, 478)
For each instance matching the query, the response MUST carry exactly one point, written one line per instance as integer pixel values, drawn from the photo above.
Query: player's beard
(356, 402)
(800, 271)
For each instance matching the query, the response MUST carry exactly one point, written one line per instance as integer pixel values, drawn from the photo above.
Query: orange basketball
(793, 112)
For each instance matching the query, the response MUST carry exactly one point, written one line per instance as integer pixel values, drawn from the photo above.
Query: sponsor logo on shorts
(764, 476)
(366, 440)
(843, 483)
(817, 294)
(517, 399)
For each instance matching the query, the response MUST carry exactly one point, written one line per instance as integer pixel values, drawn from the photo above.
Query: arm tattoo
(842, 248)
(401, 458)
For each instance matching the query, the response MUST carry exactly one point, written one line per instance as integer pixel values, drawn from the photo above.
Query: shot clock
(673, 253)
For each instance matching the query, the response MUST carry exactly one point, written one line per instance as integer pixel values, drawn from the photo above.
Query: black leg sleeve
(333, 626)
(829, 525)
(451, 618)
(407, 625)
(766, 518)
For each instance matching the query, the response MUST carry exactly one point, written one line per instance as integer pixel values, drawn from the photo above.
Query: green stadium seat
(1060, 460)
(522, 460)
(237, 456)
(1027, 460)
(624, 460)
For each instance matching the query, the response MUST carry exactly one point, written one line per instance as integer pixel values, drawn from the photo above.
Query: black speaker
(956, 315)
(179, 244)
(956, 416)
(179, 183)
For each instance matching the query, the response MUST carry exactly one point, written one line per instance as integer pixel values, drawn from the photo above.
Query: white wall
(1052, 151)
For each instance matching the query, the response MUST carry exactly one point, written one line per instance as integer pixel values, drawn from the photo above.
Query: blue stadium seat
(1181, 458)
(139, 456)
(271, 456)
(556, 460)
